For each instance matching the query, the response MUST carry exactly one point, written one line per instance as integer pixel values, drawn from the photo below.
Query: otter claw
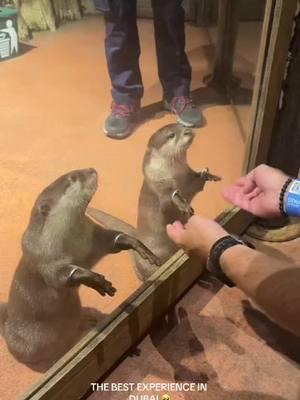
(110, 290)
(190, 211)
(150, 257)
(182, 204)
(154, 260)
(187, 210)
(106, 287)
(157, 261)
(207, 176)
(214, 178)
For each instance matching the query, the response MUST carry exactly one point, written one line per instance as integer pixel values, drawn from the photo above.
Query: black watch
(213, 261)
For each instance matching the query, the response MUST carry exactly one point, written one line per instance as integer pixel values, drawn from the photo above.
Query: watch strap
(213, 262)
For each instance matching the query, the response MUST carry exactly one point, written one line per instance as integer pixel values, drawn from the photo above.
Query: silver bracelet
(117, 237)
(175, 193)
(72, 273)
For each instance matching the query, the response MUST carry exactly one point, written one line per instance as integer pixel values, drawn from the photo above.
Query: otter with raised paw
(60, 246)
(168, 188)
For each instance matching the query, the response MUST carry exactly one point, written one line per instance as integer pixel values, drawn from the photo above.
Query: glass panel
(55, 99)
(241, 35)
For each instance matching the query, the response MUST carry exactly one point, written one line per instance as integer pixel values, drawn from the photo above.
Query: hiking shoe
(119, 124)
(185, 110)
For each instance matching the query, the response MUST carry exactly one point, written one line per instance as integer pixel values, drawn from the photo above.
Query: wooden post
(268, 84)
(284, 152)
(284, 149)
(228, 19)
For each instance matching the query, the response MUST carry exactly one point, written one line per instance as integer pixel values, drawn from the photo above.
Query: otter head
(68, 194)
(171, 141)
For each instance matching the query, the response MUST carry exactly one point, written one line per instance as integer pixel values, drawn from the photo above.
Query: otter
(60, 246)
(168, 188)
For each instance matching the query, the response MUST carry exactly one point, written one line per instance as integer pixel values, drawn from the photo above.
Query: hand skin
(258, 192)
(198, 235)
(273, 284)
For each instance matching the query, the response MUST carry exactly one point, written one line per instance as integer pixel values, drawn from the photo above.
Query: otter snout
(91, 177)
(187, 137)
(91, 171)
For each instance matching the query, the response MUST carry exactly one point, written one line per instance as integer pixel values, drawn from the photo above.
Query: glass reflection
(51, 123)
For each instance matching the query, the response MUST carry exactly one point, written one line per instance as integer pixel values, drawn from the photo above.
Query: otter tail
(110, 222)
(3, 316)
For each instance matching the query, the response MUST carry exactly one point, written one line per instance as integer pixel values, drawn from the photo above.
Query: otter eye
(188, 132)
(171, 135)
(44, 209)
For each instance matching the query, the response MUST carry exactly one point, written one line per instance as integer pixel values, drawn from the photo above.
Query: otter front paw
(103, 286)
(81, 276)
(207, 176)
(147, 254)
(182, 205)
(126, 242)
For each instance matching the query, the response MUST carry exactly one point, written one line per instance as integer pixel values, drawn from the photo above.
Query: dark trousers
(123, 49)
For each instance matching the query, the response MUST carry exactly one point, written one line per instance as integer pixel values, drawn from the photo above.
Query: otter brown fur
(60, 246)
(165, 170)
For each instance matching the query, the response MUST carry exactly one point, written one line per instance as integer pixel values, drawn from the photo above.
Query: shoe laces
(123, 110)
(180, 103)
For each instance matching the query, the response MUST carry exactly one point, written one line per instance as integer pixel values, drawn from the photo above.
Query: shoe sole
(118, 136)
(180, 121)
(184, 123)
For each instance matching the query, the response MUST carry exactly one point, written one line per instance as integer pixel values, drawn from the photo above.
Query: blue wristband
(292, 199)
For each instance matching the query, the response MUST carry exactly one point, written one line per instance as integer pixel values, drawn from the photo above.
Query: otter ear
(44, 208)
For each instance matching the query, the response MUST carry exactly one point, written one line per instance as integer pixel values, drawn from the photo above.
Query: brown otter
(166, 173)
(60, 246)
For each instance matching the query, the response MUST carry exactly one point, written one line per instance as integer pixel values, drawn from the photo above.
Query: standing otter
(168, 188)
(60, 246)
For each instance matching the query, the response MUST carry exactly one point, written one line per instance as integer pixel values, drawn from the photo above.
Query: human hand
(198, 234)
(258, 192)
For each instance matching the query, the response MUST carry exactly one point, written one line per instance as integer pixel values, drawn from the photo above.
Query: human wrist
(237, 264)
(282, 196)
(289, 201)
(212, 240)
(219, 248)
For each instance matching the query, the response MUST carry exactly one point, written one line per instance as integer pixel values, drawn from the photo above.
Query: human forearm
(273, 284)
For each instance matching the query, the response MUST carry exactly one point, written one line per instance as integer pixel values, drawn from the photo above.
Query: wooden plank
(235, 220)
(90, 359)
(269, 94)
(285, 145)
(260, 69)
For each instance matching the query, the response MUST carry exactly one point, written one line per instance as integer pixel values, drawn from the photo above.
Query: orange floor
(54, 100)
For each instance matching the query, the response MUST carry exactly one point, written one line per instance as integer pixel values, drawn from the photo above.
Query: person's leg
(122, 50)
(173, 66)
